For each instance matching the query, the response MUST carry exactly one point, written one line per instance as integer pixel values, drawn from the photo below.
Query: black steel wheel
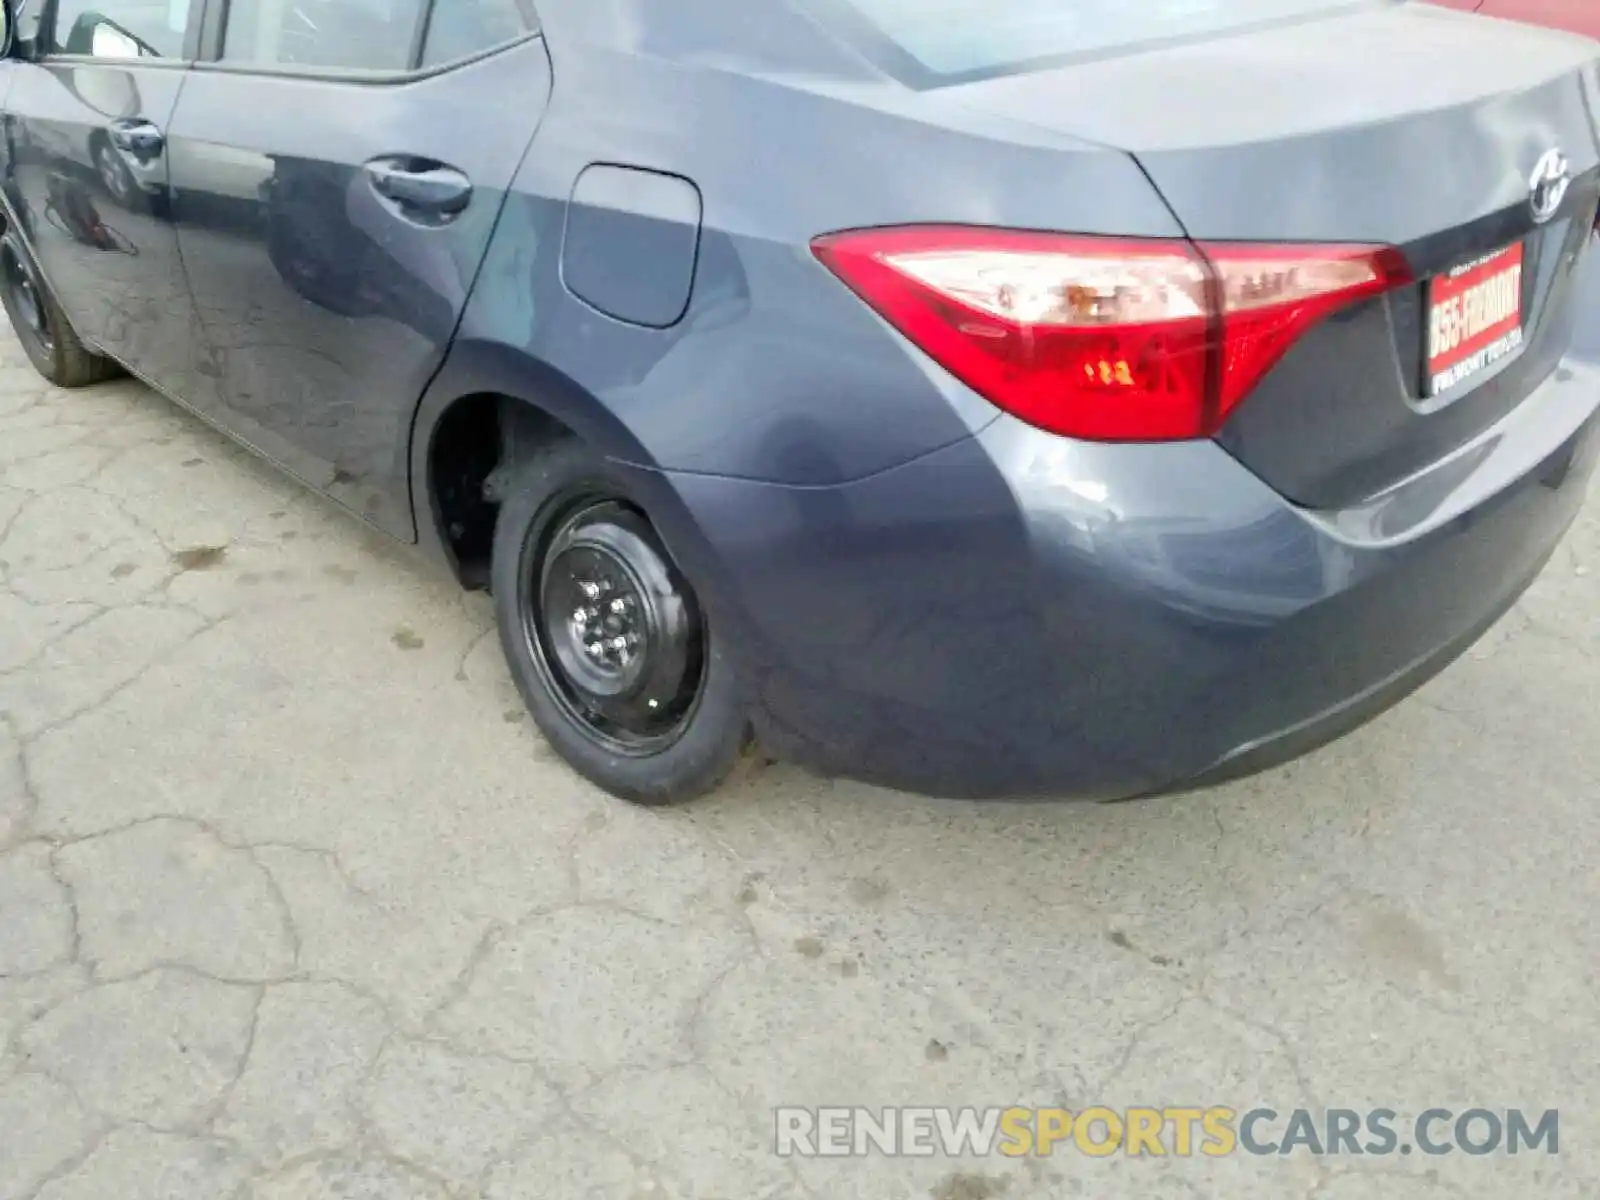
(41, 326)
(615, 631)
(25, 296)
(607, 638)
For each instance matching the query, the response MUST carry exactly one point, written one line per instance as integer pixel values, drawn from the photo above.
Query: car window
(30, 21)
(458, 28)
(974, 37)
(358, 35)
(121, 28)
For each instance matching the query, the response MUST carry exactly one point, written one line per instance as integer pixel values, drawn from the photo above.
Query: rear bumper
(1020, 614)
(1287, 744)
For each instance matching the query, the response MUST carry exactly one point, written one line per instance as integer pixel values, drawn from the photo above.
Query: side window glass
(30, 20)
(121, 28)
(459, 28)
(352, 35)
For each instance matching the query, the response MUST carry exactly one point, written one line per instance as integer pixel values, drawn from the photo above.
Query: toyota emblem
(1548, 186)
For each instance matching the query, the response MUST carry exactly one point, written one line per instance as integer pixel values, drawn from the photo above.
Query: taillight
(1108, 339)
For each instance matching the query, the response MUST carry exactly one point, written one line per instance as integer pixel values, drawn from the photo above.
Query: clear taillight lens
(1272, 295)
(1108, 339)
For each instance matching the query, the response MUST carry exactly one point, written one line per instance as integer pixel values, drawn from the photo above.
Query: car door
(338, 166)
(86, 180)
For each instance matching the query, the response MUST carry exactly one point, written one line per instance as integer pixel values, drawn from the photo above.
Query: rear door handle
(420, 186)
(143, 139)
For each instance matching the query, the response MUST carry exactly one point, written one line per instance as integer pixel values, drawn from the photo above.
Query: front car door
(86, 178)
(337, 167)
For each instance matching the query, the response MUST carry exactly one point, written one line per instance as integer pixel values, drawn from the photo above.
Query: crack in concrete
(462, 983)
(22, 830)
(331, 858)
(1290, 1054)
(214, 1111)
(1538, 628)
(56, 636)
(1136, 1040)
(74, 1164)
(75, 954)
(472, 645)
(56, 724)
(6, 530)
(285, 911)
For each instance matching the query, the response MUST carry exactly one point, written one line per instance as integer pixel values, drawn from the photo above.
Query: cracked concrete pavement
(295, 903)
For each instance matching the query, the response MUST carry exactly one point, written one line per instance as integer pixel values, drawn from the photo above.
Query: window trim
(419, 36)
(191, 42)
(213, 31)
(421, 48)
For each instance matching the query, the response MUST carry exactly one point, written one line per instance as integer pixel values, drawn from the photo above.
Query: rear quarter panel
(775, 371)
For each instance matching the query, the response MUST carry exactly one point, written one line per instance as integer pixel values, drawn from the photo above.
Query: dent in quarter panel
(631, 240)
(738, 387)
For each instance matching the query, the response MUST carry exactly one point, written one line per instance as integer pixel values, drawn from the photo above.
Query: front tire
(606, 638)
(41, 326)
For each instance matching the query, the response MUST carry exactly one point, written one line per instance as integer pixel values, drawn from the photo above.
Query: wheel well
(476, 443)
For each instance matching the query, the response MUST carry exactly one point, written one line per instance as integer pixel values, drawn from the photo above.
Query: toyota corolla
(1037, 397)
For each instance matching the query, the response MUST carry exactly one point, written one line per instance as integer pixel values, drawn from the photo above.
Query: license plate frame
(1473, 319)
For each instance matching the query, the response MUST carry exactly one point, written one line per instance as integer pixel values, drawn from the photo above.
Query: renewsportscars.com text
(1213, 1132)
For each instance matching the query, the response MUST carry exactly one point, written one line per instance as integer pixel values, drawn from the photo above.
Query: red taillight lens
(1108, 339)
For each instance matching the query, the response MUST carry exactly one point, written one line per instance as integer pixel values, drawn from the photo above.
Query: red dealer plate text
(1474, 318)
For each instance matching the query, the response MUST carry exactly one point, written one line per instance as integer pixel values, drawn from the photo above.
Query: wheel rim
(615, 631)
(27, 296)
(111, 174)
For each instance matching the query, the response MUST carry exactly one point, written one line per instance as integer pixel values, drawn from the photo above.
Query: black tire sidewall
(46, 360)
(68, 362)
(718, 731)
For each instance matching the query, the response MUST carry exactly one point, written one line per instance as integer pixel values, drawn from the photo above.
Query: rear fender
(476, 368)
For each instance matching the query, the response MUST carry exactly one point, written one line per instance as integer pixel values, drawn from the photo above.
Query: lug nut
(580, 618)
(590, 589)
(619, 606)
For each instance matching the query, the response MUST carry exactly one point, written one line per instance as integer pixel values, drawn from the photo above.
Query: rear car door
(338, 168)
(87, 184)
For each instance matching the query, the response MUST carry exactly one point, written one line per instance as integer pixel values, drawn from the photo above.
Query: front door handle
(421, 186)
(143, 139)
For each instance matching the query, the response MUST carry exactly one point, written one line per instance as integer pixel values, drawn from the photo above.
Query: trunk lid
(1403, 125)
